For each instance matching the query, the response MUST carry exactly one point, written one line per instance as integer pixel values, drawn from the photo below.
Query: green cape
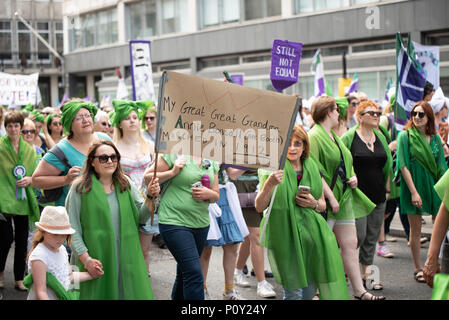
(354, 203)
(122, 108)
(9, 159)
(348, 138)
(440, 287)
(301, 246)
(420, 150)
(98, 235)
(54, 285)
(71, 109)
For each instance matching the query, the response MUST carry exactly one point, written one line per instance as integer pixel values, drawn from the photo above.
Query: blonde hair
(145, 146)
(29, 122)
(39, 236)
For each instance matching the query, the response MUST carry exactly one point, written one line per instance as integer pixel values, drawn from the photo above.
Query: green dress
(302, 249)
(426, 165)
(353, 203)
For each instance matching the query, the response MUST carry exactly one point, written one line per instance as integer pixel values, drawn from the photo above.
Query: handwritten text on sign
(224, 122)
(18, 89)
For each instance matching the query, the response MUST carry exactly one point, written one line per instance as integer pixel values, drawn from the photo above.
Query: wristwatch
(149, 197)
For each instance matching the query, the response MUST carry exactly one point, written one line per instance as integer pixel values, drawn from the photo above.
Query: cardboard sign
(223, 121)
(285, 57)
(19, 89)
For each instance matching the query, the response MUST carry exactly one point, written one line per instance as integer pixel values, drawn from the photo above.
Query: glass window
(142, 19)
(256, 9)
(216, 62)
(374, 47)
(24, 41)
(42, 51)
(174, 16)
(368, 84)
(263, 84)
(215, 12)
(5, 40)
(306, 6)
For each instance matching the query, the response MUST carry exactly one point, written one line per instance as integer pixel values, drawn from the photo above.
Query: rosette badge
(19, 172)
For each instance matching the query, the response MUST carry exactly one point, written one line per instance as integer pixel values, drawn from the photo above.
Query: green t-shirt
(177, 205)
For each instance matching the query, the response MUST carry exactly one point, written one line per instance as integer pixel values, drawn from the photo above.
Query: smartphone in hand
(303, 189)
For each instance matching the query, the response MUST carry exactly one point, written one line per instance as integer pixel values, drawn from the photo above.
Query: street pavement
(396, 274)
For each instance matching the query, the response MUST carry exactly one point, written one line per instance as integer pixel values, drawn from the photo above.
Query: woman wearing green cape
(346, 201)
(436, 280)
(302, 249)
(105, 209)
(18, 203)
(420, 159)
(373, 167)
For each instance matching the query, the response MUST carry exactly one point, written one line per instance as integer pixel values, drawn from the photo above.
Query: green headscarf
(392, 101)
(28, 108)
(48, 120)
(39, 116)
(342, 103)
(122, 108)
(71, 109)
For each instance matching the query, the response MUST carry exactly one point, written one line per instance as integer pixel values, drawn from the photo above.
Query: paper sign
(285, 57)
(18, 89)
(223, 121)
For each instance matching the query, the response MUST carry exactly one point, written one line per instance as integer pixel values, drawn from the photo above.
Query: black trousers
(20, 236)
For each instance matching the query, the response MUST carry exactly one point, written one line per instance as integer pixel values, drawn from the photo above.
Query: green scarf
(301, 246)
(122, 108)
(71, 109)
(98, 235)
(420, 150)
(52, 283)
(348, 138)
(353, 203)
(395, 190)
(8, 197)
(38, 116)
(440, 287)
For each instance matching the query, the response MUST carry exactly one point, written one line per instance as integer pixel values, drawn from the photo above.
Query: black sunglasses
(149, 118)
(373, 113)
(105, 124)
(104, 158)
(56, 123)
(420, 114)
(355, 104)
(32, 131)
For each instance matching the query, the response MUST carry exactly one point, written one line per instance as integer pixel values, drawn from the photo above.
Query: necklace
(369, 142)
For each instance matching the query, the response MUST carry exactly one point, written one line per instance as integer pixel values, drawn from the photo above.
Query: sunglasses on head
(373, 113)
(32, 131)
(150, 118)
(104, 158)
(420, 114)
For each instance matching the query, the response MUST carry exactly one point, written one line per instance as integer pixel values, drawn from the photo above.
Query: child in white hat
(50, 274)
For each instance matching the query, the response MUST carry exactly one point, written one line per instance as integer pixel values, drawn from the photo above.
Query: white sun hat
(55, 220)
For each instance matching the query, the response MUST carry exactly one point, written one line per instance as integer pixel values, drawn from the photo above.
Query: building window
(142, 19)
(217, 12)
(5, 41)
(374, 46)
(257, 9)
(94, 29)
(42, 51)
(217, 62)
(59, 37)
(307, 6)
(24, 43)
(175, 17)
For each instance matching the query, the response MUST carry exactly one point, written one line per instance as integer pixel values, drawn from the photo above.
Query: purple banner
(237, 78)
(285, 57)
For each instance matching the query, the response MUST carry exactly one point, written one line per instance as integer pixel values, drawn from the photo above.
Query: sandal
(419, 277)
(373, 285)
(373, 297)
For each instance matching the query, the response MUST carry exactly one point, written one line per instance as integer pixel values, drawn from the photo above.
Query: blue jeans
(186, 246)
(306, 293)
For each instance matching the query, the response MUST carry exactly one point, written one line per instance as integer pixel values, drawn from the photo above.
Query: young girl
(50, 272)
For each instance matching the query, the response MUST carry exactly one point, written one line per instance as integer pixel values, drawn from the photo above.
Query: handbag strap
(58, 153)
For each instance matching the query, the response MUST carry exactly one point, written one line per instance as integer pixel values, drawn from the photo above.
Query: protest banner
(141, 70)
(429, 58)
(19, 89)
(223, 121)
(285, 57)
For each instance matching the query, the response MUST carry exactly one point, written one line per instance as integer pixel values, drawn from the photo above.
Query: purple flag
(285, 57)
(237, 79)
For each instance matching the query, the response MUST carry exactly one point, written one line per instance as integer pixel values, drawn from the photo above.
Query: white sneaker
(265, 290)
(233, 295)
(240, 280)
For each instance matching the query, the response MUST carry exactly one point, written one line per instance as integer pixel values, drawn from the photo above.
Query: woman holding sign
(17, 198)
(346, 201)
(420, 159)
(302, 249)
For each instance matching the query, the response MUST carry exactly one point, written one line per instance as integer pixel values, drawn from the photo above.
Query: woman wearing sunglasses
(420, 159)
(18, 203)
(77, 121)
(137, 155)
(105, 209)
(346, 201)
(28, 134)
(372, 164)
(149, 124)
(53, 129)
